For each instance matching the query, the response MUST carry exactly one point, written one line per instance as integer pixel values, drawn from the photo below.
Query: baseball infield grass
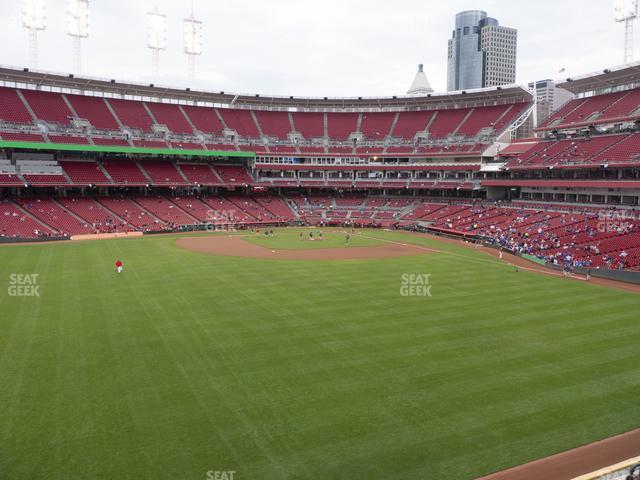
(188, 364)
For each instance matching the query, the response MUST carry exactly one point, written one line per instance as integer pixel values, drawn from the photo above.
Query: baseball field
(437, 363)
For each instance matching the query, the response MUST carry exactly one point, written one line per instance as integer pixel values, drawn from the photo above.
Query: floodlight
(192, 42)
(34, 14)
(34, 19)
(192, 36)
(157, 30)
(157, 37)
(77, 28)
(78, 18)
(625, 9)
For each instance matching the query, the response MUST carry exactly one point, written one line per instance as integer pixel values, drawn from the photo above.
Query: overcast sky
(317, 47)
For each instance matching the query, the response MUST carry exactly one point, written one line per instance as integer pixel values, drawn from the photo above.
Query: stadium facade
(82, 155)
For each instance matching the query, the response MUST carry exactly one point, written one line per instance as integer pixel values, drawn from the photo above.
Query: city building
(481, 53)
(550, 98)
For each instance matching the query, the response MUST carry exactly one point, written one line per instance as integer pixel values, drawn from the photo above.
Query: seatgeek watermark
(220, 220)
(221, 474)
(415, 285)
(615, 222)
(24, 285)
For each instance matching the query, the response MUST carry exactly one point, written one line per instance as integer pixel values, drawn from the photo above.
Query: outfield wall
(8, 240)
(617, 275)
(619, 471)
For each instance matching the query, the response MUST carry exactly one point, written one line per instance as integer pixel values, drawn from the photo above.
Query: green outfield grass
(291, 240)
(190, 363)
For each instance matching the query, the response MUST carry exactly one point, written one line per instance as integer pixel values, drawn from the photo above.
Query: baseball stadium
(209, 285)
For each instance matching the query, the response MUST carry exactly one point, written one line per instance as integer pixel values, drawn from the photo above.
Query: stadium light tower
(192, 42)
(626, 11)
(77, 28)
(34, 19)
(157, 37)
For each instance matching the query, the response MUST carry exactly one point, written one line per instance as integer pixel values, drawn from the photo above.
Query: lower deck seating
(133, 214)
(166, 210)
(96, 215)
(15, 223)
(56, 216)
(584, 236)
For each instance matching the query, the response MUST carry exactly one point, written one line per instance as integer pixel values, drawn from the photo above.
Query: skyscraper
(481, 53)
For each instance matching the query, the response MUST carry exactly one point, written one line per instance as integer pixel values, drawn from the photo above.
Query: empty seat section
(483, 117)
(132, 114)
(628, 105)
(204, 119)
(274, 124)
(162, 172)
(84, 173)
(21, 137)
(150, 143)
(557, 117)
(94, 110)
(11, 107)
(121, 142)
(341, 125)
(446, 122)
(591, 106)
(410, 123)
(199, 174)
(309, 124)
(241, 121)
(376, 126)
(171, 116)
(233, 174)
(124, 172)
(45, 179)
(10, 179)
(276, 205)
(68, 140)
(48, 106)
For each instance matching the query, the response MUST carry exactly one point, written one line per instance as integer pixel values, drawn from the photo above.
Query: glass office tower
(481, 52)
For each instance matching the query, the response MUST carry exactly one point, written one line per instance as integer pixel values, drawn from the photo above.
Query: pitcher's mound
(238, 247)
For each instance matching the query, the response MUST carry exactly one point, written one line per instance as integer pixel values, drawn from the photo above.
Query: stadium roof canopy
(112, 88)
(628, 74)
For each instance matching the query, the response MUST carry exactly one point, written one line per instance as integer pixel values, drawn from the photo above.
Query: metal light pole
(157, 38)
(192, 42)
(626, 11)
(77, 28)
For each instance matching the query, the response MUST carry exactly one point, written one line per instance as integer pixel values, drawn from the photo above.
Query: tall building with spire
(420, 85)
(481, 53)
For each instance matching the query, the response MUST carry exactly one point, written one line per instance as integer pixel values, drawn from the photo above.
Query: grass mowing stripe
(297, 369)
